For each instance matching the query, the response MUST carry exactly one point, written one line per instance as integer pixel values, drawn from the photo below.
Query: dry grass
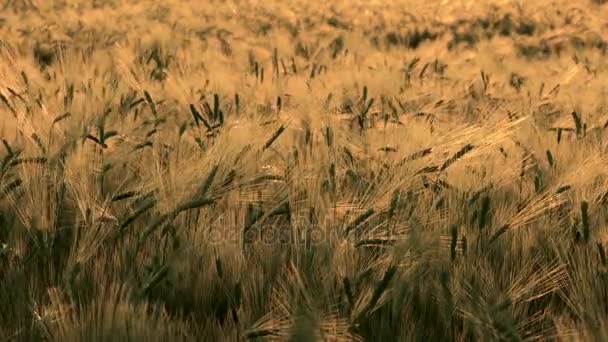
(299, 170)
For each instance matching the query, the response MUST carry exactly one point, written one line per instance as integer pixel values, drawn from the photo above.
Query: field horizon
(303, 170)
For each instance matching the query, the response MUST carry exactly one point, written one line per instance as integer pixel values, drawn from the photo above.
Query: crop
(303, 170)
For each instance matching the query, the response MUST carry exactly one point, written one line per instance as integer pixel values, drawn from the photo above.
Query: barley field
(351, 170)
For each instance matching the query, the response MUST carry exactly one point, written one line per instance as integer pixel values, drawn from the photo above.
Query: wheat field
(303, 170)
